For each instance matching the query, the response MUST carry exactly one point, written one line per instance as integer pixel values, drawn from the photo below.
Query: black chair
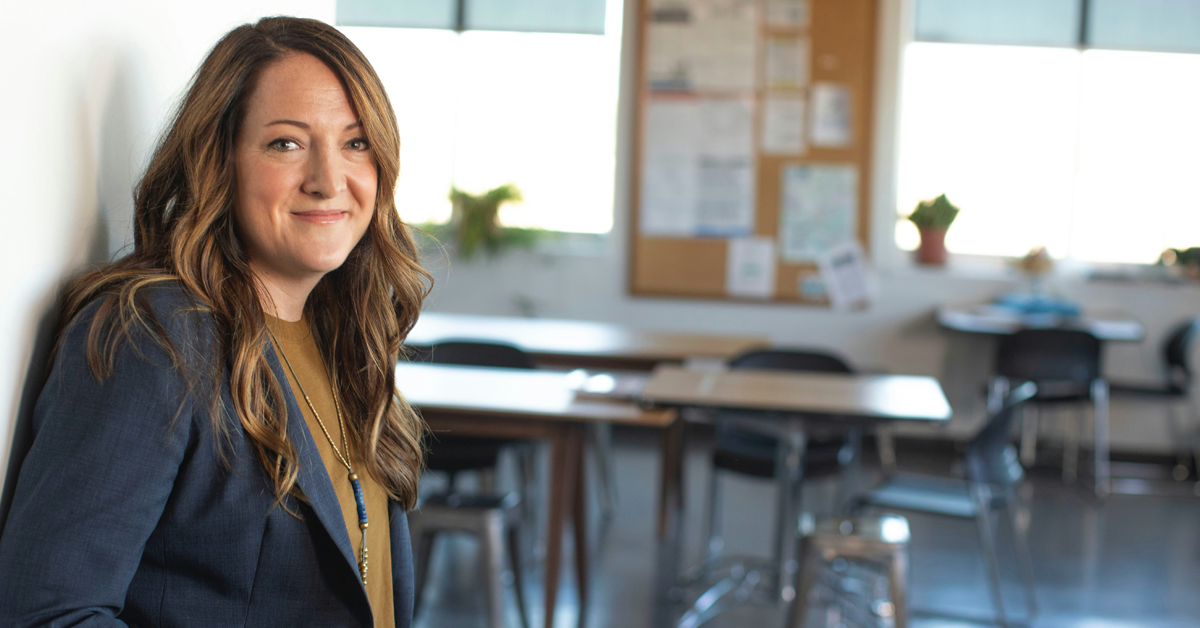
(450, 453)
(993, 472)
(1176, 389)
(758, 454)
(1065, 365)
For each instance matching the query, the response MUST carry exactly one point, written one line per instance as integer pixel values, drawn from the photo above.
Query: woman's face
(306, 176)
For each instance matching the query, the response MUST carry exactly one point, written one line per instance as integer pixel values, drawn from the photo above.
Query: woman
(175, 479)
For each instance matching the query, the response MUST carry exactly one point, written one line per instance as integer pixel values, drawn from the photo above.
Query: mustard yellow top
(301, 348)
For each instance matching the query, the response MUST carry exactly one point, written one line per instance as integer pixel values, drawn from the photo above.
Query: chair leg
(1179, 435)
(806, 578)
(606, 471)
(887, 450)
(715, 544)
(487, 481)
(789, 474)
(492, 551)
(1072, 435)
(898, 587)
(514, 560)
(1029, 433)
(987, 539)
(1100, 429)
(1024, 556)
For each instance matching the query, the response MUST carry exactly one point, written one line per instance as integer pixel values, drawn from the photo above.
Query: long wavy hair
(184, 232)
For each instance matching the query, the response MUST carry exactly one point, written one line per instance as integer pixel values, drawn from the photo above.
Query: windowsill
(996, 268)
(550, 244)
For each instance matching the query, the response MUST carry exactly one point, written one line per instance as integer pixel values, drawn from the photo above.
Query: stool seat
(880, 540)
(492, 518)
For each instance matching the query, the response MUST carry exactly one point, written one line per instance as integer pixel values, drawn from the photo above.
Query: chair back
(790, 360)
(1049, 355)
(480, 353)
(991, 457)
(1175, 350)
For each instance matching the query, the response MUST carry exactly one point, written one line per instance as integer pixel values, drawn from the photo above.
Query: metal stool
(880, 540)
(492, 518)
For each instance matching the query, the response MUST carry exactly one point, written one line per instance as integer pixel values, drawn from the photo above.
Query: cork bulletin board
(753, 137)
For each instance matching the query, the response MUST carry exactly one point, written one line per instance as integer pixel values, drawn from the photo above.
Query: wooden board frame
(843, 51)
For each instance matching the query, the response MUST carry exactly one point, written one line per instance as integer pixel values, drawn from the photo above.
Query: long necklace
(358, 493)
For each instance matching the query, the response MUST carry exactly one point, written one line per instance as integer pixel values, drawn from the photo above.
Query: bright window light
(1090, 154)
(482, 108)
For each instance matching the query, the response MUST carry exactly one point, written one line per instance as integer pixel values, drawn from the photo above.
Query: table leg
(670, 494)
(562, 484)
(670, 522)
(789, 476)
(579, 515)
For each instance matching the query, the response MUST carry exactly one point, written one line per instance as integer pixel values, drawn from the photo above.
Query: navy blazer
(125, 513)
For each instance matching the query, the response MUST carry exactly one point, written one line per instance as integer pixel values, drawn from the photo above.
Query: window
(1089, 152)
(478, 109)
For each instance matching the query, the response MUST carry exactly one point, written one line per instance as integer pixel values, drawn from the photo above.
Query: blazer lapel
(312, 478)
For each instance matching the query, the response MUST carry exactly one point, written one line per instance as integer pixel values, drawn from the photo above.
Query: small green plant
(474, 222)
(938, 213)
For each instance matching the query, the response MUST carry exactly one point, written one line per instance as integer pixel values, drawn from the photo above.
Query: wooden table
(514, 403)
(585, 344)
(986, 318)
(787, 401)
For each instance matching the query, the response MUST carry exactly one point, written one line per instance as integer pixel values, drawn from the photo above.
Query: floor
(1131, 561)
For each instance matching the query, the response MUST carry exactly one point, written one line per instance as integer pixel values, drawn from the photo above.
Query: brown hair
(184, 232)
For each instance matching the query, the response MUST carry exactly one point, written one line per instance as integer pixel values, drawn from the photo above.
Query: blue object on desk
(1026, 304)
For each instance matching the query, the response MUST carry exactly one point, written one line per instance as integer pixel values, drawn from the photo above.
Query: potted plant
(932, 219)
(474, 223)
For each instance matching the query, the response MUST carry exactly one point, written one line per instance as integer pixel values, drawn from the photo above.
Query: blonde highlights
(184, 232)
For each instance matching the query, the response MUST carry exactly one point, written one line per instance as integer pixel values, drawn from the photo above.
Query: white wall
(87, 85)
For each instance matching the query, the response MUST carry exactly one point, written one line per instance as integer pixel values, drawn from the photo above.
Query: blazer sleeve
(94, 485)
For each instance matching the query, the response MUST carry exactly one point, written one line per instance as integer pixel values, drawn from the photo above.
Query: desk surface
(983, 318)
(542, 395)
(876, 397)
(589, 339)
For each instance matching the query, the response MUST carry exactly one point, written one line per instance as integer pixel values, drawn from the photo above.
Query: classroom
(614, 313)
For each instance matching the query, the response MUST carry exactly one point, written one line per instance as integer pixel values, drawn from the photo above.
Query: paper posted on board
(750, 268)
(831, 116)
(788, 13)
(783, 125)
(698, 168)
(702, 45)
(818, 209)
(787, 62)
(844, 271)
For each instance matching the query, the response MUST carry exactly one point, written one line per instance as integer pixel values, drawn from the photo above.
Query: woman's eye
(283, 144)
(358, 143)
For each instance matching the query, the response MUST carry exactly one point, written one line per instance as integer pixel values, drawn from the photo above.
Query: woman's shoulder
(161, 315)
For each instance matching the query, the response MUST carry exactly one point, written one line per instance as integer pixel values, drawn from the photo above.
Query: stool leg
(492, 551)
(806, 578)
(514, 559)
(898, 587)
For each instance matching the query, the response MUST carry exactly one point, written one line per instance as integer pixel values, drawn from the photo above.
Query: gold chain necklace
(359, 500)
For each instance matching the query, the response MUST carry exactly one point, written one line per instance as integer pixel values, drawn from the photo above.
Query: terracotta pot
(933, 246)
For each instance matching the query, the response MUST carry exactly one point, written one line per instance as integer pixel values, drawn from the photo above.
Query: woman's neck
(284, 298)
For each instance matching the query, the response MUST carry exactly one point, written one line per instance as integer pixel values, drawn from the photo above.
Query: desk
(984, 318)
(586, 344)
(513, 403)
(789, 400)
